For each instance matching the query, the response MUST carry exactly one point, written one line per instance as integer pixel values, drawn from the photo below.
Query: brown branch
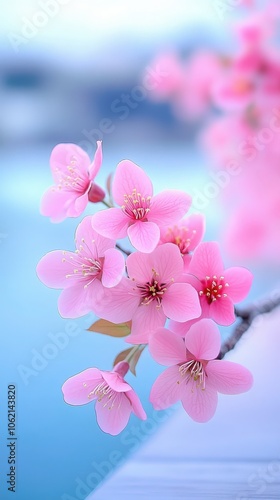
(247, 316)
(126, 252)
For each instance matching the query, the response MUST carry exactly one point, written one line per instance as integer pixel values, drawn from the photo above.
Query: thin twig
(127, 252)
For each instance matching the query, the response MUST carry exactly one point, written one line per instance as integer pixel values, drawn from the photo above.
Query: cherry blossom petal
(129, 177)
(137, 407)
(79, 204)
(144, 236)
(113, 267)
(195, 223)
(168, 207)
(167, 262)
(94, 245)
(140, 267)
(203, 340)
(77, 388)
(112, 417)
(61, 158)
(181, 329)
(111, 223)
(206, 260)
(94, 167)
(167, 389)
(181, 303)
(240, 281)
(199, 404)
(222, 311)
(53, 268)
(166, 348)
(115, 381)
(146, 319)
(119, 303)
(77, 300)
(55, 203)
(228, 377)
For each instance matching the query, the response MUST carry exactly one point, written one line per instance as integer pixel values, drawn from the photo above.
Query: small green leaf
(122, 355)
(112, 329)
(135, 359)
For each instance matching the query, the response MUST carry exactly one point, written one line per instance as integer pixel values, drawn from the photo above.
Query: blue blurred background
(63, 66)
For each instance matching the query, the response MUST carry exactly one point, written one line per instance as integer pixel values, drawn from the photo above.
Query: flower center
(84, 267)
(193, 371)
(73, 180)
(152, 290)
(136, 206)
(180, 236)
(106, 394)
(213, 288)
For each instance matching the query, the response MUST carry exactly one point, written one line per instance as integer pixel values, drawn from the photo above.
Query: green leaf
(133, 362)
(122, 355)
(113, 329)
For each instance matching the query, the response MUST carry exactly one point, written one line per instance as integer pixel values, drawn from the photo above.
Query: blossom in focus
(115, 398)
(218, 288)
(194, 375)
(82, 274)
(140, 213)
(186, 234)
(74, 185)
(153, 292)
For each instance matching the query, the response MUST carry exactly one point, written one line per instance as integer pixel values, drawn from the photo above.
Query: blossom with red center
(82, 274)
(194, 375)
(74, 175)
(140, 213)
(115, 398)
(186, 234)
(153, 292)
(218, 288)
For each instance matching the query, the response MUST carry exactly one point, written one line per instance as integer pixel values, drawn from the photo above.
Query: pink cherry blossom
(82, 274)
(74, 186)
(186, 234)
(218, 288)
(140, 213)
(194, 375)
(115, 398)
(153, 292)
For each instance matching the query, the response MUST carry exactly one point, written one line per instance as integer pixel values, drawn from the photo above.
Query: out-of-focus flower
(186, 234)
(153, 292)
(194, 375)
(73, 175)
(140, 213)
(115, 398)
(82, 274)
(218, 288)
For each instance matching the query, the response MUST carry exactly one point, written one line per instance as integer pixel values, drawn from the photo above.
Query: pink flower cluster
(171, 279)
(243, 138)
